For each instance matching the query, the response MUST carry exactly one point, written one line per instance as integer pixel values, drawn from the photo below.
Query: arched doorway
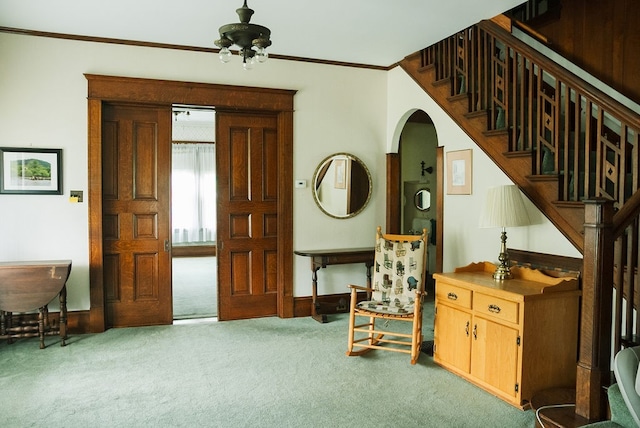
(415, 183)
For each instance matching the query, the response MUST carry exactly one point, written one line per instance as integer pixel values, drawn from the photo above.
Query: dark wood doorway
(136, 155)
(394, 200)
(145, 92)
(247, 167)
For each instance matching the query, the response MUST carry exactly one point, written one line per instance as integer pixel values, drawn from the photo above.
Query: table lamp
(504, 208)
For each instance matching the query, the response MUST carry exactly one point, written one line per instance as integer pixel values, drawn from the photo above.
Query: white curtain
(193, 188)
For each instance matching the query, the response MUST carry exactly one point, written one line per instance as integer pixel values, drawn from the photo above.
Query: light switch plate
(75, 196)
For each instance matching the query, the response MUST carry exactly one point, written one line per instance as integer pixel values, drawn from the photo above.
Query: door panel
(497, 364)
(453, 326)
(136, 215)
(247, 165)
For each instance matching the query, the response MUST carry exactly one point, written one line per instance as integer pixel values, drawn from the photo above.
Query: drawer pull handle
(466, 329)
(494, 308)
(452, 296)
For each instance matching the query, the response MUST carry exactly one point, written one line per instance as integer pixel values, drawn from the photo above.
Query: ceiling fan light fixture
(246, 36)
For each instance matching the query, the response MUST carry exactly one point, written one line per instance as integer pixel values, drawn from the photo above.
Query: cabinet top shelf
(525, 281)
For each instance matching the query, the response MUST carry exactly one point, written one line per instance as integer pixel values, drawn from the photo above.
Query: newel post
(594, 361)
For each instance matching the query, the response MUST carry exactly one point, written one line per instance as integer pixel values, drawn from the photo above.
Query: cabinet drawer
(454, 295)
(496, 307)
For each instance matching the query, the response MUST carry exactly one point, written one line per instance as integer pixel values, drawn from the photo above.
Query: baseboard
(193, 251)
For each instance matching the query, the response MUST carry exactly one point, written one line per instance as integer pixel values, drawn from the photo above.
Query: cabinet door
(494, 355)
(452, 342)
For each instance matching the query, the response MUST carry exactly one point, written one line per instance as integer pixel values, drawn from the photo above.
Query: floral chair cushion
(398, 274)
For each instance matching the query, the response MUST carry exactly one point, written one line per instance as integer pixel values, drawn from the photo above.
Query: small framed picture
(30, 171)
(459, 172)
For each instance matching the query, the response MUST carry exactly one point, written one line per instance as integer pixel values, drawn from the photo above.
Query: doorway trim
(394, 200)
(394, 191)
(164, 92)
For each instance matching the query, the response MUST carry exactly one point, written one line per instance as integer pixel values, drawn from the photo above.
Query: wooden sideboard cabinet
(513, 337)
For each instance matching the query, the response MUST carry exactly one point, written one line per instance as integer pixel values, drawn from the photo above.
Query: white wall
(43, 104)
(464, 241)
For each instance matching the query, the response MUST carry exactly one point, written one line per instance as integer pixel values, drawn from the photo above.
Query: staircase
(557, 137)
(574, 151)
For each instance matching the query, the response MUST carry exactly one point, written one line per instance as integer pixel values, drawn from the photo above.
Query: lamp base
(502, 272)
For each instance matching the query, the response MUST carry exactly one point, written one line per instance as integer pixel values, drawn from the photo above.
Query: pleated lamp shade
(504, 207)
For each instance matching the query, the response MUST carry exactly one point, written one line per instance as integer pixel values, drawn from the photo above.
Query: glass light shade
(262, 55)
(224, 55)
(248, 63)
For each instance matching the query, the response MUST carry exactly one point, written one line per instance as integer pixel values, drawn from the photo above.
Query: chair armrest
(359, 287)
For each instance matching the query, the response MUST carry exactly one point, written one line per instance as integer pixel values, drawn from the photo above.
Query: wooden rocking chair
(397, 293)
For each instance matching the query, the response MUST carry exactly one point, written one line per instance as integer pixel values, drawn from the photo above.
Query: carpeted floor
(266, 372)
(195, 293)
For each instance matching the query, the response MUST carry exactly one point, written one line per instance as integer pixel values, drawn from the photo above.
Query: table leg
(3, 325)
(41, 315)
(63, 315)
(8, 326)
(314, 302)
(47, 326)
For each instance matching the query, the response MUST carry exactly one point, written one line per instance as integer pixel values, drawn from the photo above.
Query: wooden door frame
(394, 200)
(163, 92)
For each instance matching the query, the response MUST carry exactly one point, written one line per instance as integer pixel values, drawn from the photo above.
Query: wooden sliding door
(136, 173)
(247, 166)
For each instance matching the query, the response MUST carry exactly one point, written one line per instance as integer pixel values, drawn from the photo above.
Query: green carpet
(194, 287)
(267, 372)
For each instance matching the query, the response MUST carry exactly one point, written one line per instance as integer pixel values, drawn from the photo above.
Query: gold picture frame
(459, 168)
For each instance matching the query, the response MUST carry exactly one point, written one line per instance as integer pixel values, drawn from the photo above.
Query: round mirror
(341, 185)
(422, 199)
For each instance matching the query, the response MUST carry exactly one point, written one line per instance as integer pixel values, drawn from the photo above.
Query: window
(193, 186)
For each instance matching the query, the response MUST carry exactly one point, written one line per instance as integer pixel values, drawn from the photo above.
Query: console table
(324, 258)
(30, 285)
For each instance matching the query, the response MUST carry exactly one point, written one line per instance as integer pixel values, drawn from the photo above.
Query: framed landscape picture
(30, 171)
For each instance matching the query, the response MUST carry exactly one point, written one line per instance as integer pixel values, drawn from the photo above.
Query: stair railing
(572, 129)
(626, 260)
(609, 318)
